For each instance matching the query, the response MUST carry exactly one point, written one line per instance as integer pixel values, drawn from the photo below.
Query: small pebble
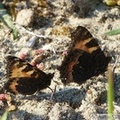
(40, 66)
(32, 41)
(2, 97)
(39, 51)
(23, 56)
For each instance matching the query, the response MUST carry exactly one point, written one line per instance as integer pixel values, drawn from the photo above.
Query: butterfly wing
(23, 78)
(85, 59)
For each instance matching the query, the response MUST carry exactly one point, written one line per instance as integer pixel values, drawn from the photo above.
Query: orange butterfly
(85, 58)
(25, 79)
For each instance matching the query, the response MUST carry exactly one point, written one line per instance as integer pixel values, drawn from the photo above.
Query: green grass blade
(6, 19)
(110, 94)
(113, 32)
(4, 116)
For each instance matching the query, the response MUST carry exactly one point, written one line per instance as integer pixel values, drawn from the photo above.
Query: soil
(52, 22)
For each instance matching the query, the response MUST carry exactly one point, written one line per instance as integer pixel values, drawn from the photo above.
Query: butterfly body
(85, 58)
(25, 79)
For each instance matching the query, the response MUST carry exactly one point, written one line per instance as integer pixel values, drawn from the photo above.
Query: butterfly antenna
(50, 88)
(53, 92)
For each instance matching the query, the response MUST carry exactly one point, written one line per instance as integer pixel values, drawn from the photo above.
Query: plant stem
(110, 94)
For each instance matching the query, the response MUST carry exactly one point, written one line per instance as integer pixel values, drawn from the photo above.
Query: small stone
(2, 97)
(12, 108)
(118, 2)
(32, 41)
(25, 17)
(22, 56)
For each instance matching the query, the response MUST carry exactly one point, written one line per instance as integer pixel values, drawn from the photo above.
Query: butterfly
(23, 78)
(85, 58)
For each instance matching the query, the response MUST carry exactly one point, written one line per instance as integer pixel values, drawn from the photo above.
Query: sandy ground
(72, 102)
